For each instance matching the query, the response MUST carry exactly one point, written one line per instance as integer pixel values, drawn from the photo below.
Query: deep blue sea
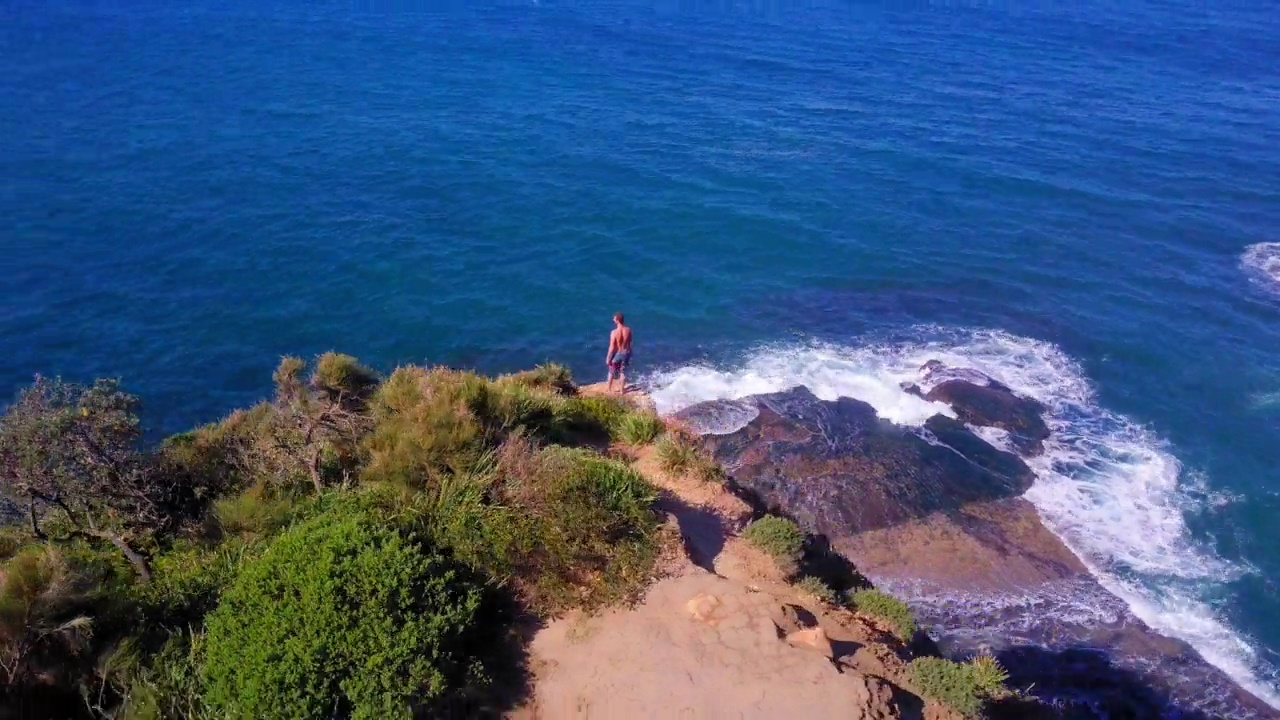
(1075, 197)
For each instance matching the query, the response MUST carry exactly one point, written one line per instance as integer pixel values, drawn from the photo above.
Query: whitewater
(1109, 488)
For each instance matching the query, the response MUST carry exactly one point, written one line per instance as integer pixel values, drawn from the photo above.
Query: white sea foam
(1262, 261)
(1105, 485)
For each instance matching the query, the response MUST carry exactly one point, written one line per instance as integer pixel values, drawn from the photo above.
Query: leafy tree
(71, 455)
(329, 410)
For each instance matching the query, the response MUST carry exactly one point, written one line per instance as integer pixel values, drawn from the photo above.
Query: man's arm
(613, 344)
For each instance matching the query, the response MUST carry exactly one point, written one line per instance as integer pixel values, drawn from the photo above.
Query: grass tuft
(817, 588)
(888, 608)
(780, 538)
(638, 428)
(963, 687)
(680, 454)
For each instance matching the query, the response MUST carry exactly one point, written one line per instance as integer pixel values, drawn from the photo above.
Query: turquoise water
(1070, 196)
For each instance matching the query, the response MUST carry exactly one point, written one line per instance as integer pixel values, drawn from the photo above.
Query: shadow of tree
(702, 530)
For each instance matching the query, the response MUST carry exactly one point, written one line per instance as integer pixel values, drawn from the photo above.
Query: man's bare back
(618, 356)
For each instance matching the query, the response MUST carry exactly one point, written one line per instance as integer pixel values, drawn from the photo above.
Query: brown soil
(720, 635)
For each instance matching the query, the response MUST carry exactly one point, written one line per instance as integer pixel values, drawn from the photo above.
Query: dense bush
(188, 580)
(888, 608)
(779, 537)
(427, 423)
(345, 615)
(565, 527)
(961, 686)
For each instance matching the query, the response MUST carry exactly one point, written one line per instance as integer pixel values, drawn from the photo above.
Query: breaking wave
(1262, 261)
(1108, 487)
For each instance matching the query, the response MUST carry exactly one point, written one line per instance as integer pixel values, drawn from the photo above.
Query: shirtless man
(619, 355)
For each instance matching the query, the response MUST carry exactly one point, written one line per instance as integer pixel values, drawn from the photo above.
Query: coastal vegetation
(961, 686)
(780, 538)
(886, 607)
(680, 454)
(356, 546)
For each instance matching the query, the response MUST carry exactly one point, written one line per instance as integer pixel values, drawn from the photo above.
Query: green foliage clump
(680, 454)
(888, 608)
(167, 684)
(188, 580)
(427, 423)
(988, 674)
(42, 623)
(817, 588)
(960, 686)
(638, 428)
(548, 376)
(592, 415)
(345, 615)
(779, 537)
(260, 511)
(566, 527)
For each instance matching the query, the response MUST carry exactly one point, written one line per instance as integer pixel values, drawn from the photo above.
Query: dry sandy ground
(719, 635)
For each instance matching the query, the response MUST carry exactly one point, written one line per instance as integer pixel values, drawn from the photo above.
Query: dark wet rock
(934, 516)
(935, 372)
(996, 406)
(841, 470)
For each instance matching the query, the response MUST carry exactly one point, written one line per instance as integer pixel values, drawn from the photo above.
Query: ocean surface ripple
(191, 190)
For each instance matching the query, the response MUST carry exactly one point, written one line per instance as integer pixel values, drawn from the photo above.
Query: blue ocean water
(1074, 196)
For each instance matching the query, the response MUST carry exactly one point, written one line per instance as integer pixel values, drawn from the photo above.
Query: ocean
(1079, 199)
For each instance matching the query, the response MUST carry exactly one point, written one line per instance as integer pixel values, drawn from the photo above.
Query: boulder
(840, 470)
(704, 608)
(814, 638)
(996, 406)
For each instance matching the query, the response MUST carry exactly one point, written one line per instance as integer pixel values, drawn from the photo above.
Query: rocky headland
(935, 514)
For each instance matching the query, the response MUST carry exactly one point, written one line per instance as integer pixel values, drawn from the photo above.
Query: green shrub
(638, 428)
(888, 608)
(817, 588)
(779, 537)
(676, 453)
(951, 683)
(260, 511)
(989, 675)
(548, 376)
(427, 422)
(166, 685)
(592, 413)
(515, 406)
(567, 527)
(188, 579)
(680, 454)
(344, 615)
(342, 378)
